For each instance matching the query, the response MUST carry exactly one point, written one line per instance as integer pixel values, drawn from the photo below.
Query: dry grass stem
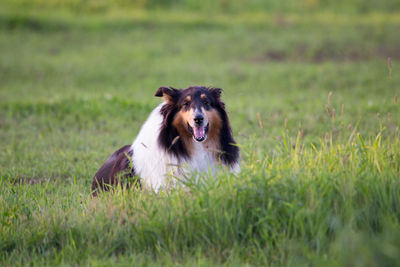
(260, 124)
(174, 141)
(327, 109)
(300, 134)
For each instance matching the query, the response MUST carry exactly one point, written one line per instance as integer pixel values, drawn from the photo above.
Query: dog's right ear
(169, 94)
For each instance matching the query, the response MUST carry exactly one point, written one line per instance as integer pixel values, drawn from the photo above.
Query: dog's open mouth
(199, 132)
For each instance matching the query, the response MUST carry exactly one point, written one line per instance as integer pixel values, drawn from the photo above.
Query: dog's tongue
(199, 132)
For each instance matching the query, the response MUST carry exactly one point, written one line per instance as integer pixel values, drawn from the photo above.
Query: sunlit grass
(293, 204)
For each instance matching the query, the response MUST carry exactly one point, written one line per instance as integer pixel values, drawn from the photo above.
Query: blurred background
(311, 88)
(77, 77)
(209, 6)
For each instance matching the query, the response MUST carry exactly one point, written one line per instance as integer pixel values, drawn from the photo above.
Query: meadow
(313, 98)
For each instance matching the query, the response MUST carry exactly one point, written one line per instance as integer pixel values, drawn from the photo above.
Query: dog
(188, 132)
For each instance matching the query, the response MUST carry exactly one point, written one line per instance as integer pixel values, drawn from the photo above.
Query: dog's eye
(185, 104)
(206, 103)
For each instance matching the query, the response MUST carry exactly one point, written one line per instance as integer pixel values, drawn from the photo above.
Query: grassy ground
(320, 163)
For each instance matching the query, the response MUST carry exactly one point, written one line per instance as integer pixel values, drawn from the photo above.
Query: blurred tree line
(225, 6)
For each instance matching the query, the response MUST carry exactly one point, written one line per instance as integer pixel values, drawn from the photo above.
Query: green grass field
(313, 104)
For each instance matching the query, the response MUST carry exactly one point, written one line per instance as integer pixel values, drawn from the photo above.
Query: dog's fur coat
(188, 132)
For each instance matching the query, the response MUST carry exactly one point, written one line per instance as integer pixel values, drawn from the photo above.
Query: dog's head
(195, 111)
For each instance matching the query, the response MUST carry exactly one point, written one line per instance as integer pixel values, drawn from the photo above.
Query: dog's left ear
(169, 94)
(216, 92)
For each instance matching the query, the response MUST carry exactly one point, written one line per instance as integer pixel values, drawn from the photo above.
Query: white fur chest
(154, 165)
(202, 159)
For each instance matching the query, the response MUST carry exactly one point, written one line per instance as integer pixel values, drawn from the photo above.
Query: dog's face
(195, 108)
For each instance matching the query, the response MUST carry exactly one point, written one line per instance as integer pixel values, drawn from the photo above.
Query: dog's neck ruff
(155, 165)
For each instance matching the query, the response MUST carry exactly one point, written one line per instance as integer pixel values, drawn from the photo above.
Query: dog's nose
(199, 119)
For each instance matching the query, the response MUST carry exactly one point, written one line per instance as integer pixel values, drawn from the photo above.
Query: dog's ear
(169, 94)
(216, 92)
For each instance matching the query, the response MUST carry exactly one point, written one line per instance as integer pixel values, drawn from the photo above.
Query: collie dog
(188, 132)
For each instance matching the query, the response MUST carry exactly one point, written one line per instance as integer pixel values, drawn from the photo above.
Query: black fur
(230, 151)
(169, 133)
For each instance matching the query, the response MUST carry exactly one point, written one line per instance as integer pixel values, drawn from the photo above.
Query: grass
(319, 181)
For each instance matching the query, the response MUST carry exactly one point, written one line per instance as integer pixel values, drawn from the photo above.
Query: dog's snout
(199, 119)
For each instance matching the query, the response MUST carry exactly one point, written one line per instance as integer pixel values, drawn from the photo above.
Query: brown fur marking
(107, 175)
(180, 122)
(168, 98)
(213, 143)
